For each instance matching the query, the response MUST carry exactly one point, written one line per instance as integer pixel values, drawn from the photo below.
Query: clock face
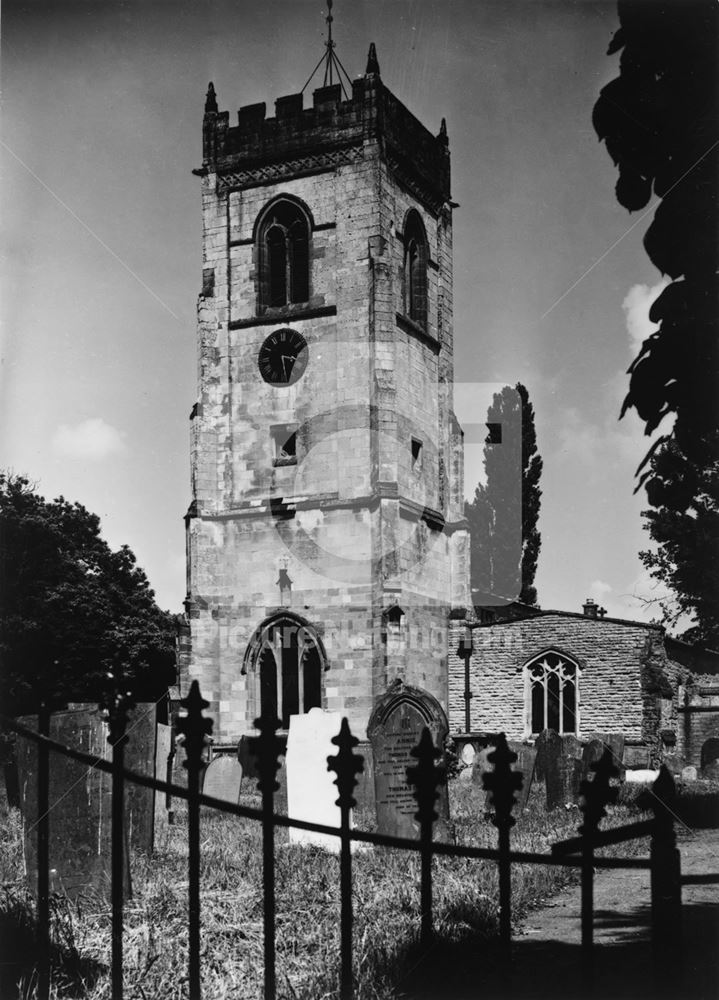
(283, 357)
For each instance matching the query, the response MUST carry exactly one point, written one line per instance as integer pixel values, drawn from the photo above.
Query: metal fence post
(195, 729)
(596, 795)
(117, 704)
(43, 857)
(268, 759)
(426, 777)
(502, 783)
(346, 765)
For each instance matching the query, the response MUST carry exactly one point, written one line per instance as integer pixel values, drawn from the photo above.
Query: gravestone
(140, 757)
(163, 772)
(689, 773)
(394, 730)
(710, 770)
(615, 743)
(593, 751)
(311, 792)
(559, 766)
(364, 789)
(80, 804)
(477, 794)
(526, 761)
(636, 758)
(223, 778)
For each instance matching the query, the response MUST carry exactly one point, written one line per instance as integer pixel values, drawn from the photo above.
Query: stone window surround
(534, 661)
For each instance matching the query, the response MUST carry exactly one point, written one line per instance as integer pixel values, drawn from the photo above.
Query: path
(546, 952)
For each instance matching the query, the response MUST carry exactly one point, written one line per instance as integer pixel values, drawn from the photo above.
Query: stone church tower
(326, 542)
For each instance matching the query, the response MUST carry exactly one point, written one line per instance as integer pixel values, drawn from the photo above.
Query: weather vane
(331, 60)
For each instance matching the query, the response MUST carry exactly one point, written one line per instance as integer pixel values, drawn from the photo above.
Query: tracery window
(284, 255)
(288, 660)
(416, 256)
(552, 694)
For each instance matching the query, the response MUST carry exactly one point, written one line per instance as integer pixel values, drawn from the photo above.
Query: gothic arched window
(287, 659)
(552, 694)
(283, 244)
(416, 257)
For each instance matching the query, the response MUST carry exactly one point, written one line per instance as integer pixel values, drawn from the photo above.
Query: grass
(386, 909)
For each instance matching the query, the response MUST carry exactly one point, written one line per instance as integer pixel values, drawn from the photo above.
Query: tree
(504, 538)
(659, 120)
(71, 609)
(684, 522)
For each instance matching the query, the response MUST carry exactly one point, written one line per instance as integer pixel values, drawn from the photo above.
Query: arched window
(552, 694)
(287, 658)
(416, 256)
(283, 240)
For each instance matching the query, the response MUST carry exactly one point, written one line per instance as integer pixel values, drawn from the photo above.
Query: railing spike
(502, 782)
(346, 765)
(597, 794)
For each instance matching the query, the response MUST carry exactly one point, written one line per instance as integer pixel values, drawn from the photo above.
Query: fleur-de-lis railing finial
(194, 726)
(426, 776)
(597, 794)
(268, 752)
(346, 765)
(502, 782)
(117, 699)
(662, 801)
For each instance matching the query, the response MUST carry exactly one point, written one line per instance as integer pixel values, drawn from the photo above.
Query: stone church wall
(613, 690)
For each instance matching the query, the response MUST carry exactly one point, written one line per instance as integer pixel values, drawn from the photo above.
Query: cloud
(636, 307)
(92, 440)
(598, 589)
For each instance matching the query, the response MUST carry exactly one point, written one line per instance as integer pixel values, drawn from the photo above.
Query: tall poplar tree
(503, 516)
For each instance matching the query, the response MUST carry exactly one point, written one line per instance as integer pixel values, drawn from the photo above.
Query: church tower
(326, 542)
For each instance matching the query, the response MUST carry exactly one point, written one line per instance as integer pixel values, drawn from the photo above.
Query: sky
(102, 262)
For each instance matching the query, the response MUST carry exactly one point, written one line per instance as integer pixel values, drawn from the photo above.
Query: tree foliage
(659, 120)
(71, 609)
(503, 516)
(684, 522)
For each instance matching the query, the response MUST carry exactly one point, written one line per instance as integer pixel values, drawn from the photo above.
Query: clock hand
(291, 358)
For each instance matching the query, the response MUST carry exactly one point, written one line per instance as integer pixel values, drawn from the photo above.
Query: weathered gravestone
(559, 766)
(636, 757)
(311, 793)
(615, 743)
(163, 772)
(140, 757)
(593, 751)
(394, 730)
(525, 764)
(476, 794)
(223, 778)
(80, 804)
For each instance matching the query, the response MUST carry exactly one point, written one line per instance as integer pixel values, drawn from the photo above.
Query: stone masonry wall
(612, 658)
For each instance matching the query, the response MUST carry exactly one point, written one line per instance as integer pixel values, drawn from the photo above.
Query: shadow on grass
(624, 969)
(71, 974)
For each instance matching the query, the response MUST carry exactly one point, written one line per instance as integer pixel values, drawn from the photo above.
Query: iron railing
(426, 776)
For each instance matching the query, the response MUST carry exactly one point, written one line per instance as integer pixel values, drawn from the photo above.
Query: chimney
(589, 608)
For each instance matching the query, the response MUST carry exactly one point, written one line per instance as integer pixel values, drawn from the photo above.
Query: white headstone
(223, 778)
(311, 792)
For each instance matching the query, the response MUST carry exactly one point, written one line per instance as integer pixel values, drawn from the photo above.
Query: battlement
(331, 123)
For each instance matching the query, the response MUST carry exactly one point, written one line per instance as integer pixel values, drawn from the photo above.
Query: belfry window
(288, 660)
(552, 694)
(416, 256)
(284, 255)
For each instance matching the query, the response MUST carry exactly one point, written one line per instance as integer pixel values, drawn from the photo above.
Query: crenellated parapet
(299, 140)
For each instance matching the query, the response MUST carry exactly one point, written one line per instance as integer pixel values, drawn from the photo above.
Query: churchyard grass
(386, 908)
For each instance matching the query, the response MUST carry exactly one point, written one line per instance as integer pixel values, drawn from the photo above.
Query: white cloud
(636, 307)
(598, 589)
(92, 440)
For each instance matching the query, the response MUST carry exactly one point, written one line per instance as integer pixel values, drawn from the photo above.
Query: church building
(327, 549)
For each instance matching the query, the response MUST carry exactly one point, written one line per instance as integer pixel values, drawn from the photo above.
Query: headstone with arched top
(394, 730)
